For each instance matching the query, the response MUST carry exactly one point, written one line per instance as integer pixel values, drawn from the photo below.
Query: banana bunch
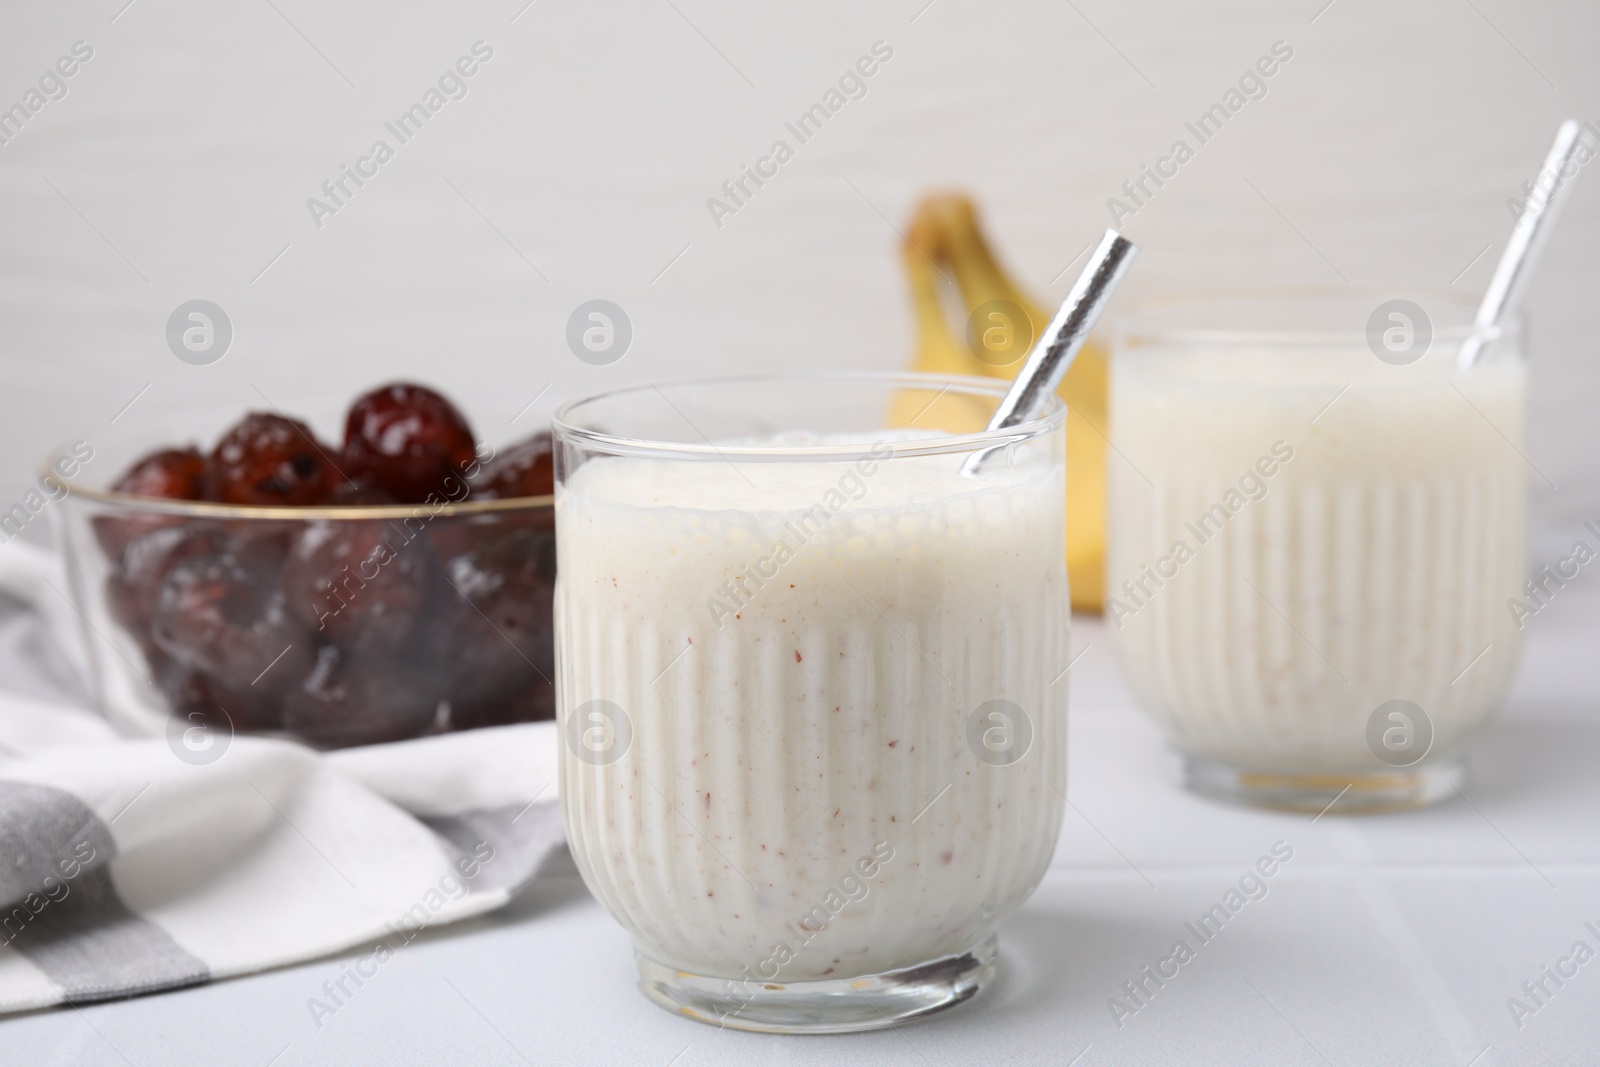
(1002, 324)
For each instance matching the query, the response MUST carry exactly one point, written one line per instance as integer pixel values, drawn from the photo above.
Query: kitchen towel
(129, 865)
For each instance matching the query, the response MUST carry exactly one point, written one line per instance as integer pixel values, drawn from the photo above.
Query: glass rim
(1144, 322)
(211, 509)
(1054, 415)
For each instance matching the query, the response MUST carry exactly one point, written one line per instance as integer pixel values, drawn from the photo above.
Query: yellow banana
(937, 351)
(944, 230)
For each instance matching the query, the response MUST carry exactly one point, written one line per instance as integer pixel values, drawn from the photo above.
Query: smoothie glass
(1317, 519)
(812, 750)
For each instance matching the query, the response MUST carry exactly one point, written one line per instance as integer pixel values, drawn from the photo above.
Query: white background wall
(183, 154)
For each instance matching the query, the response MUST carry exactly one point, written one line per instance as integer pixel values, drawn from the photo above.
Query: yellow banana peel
(944, 233)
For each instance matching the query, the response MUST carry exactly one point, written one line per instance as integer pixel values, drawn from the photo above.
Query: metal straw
(1054, 351)
(1527, 242)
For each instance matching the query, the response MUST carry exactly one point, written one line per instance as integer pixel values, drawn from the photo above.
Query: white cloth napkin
(125, 869)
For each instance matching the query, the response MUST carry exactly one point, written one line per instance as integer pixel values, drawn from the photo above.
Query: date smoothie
(1301, 534)
(810, 727)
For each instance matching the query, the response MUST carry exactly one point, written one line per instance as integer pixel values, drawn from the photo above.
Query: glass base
(829, 1006)
(1336, 794)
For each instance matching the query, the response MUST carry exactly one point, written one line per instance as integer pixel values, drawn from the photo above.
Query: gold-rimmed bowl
(336, 625)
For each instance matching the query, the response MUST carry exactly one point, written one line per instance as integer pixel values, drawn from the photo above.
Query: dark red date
(270, 460)
(498, 619)
(171, 474)
(523, 469)
(359, 583)
(408, 441)
(224, 614)
(354, 699)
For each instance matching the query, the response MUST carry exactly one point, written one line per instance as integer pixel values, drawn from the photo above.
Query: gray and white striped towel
(124, 869)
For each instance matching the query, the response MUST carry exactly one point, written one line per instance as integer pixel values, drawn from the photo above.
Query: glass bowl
(334, 625)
